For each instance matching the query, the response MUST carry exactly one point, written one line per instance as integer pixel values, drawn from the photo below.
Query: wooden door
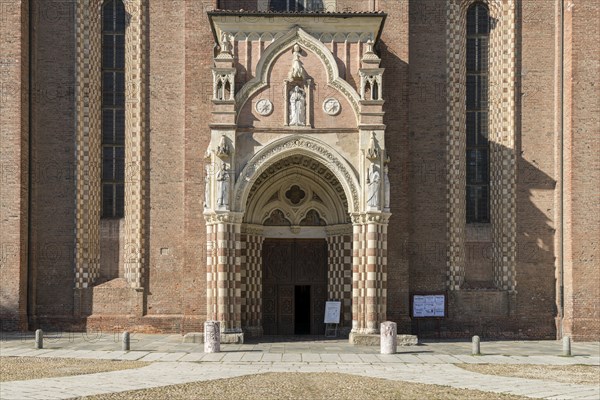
(287, 264)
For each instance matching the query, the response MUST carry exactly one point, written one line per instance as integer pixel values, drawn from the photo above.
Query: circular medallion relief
(331, 106)
(264, 107)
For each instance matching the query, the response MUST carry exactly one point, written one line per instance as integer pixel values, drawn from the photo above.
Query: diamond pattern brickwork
(88, 207)
(134, 143)
(339, 273)
(251, 279)
(501, 136)
(89, 58)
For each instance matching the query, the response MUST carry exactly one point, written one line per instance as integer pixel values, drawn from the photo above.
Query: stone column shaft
(224, 276)
(369, 273)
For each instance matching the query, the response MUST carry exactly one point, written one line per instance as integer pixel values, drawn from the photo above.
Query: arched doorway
(257, 134)
(297, 224)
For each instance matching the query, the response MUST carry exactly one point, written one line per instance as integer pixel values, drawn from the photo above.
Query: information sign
(429, 306)
(332, 312)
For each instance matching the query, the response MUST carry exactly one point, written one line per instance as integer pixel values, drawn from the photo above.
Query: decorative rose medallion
(264, 107)
(331, 106)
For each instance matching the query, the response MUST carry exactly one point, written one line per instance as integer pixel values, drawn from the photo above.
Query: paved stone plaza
(175, 362)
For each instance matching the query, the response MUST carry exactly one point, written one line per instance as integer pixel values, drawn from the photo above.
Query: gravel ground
(306, 386)
(582, 374)
(25, 368)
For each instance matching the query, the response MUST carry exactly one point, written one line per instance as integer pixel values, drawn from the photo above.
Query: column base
(198, 337)
(374, 339)
(253, 331)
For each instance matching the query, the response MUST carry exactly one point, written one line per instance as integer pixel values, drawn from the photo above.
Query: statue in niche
(373, 180)
(223, 186)
(225, 43)
(386, 189)
(207, 187)
(297, 107)
(297, 72)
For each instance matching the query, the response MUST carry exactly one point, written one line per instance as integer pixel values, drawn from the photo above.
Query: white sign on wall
(429, 305)
(332, 312)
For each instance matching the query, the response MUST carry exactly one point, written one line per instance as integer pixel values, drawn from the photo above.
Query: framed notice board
(332, 312)
(432, 305)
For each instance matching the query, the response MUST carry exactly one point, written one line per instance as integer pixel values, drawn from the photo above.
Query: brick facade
(533, 272)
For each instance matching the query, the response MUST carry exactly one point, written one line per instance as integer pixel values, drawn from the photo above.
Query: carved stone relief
(264, 107)
(331, 106)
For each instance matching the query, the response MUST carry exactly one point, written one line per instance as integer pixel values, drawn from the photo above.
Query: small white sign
(332, 312)
(428, 306)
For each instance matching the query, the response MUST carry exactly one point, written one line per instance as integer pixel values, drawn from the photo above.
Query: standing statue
(297, 107)
(297, 72)
(373, 180)
(225, 43)
(223, 186)
(386, 189)
(207, 187)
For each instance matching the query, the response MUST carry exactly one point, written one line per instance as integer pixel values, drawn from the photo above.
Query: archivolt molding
(295, 145)
(306, 41)
(323, 192)
(330, 186)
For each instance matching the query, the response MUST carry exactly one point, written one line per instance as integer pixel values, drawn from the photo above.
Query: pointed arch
(295, 145)
(308, 42)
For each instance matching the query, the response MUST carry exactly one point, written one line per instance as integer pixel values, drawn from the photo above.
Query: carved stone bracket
(223, 151)
(372, 153)
(223, 217)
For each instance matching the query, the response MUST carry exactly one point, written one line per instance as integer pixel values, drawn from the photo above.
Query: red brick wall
(413, 53)
(582, 173)
(53, 165)
(14, 163)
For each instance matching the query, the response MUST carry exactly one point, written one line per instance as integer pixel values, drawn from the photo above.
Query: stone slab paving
(175, 362)
(170, 373)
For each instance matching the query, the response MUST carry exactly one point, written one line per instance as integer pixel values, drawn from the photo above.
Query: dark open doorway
(302, 310)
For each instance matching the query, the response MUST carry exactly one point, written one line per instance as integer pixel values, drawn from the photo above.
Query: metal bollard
(476, 346)
(567, 346)
(39, 339)
(126, 341)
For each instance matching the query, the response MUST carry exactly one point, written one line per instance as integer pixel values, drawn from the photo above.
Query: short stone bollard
(39, 339)
(389, 337)
(476, 346)
(567, 346)
(126, 343)
(212, 337)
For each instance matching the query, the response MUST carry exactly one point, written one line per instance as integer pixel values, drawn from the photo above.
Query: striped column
(369, 272)
(224, 287)
(357, 281)
(211, 272)
(372, 267)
